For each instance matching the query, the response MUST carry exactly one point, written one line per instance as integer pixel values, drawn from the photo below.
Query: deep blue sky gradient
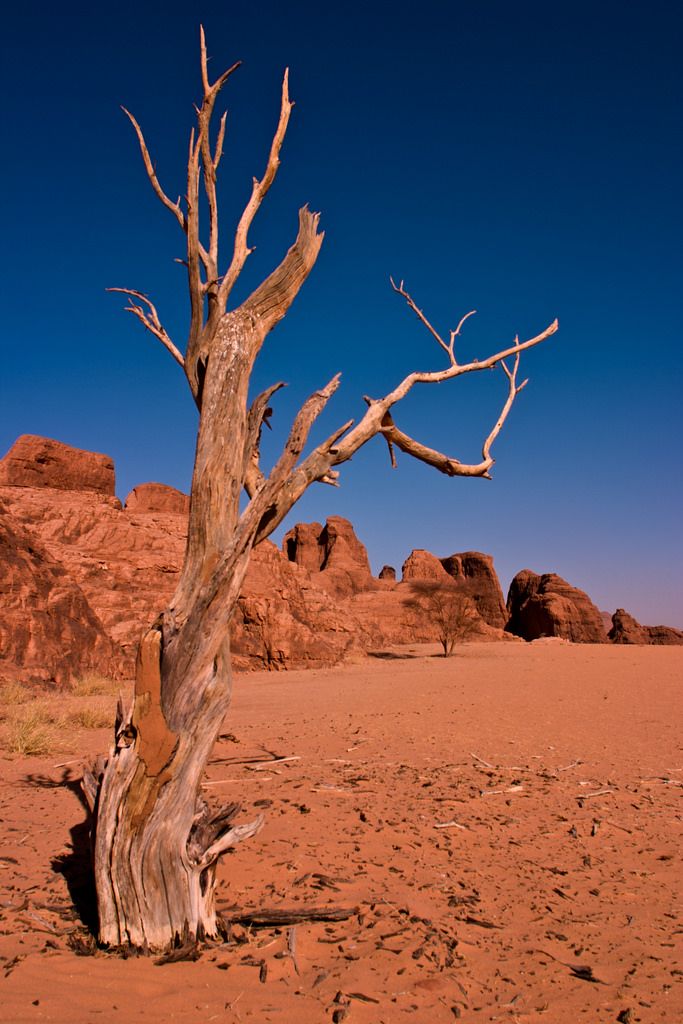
(521, 159)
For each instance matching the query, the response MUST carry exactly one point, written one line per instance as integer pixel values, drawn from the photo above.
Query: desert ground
(502, 830)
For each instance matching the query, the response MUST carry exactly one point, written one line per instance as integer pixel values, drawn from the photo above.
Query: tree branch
(371, 423)
(211, 160)
(258, 192)
(445, 464)
(235, 835)
(151, 173)
(269, 303)
(259, 413)
(448, 348)
(150, 320)
(215, 599)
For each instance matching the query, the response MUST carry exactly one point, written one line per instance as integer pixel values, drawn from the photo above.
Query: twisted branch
(318, 466)
(150, 320)
(448, 348)
(259, 191)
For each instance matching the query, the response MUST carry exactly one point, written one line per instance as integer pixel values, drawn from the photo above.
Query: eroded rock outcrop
(81, 578)
(34, 461)
(423, 565)
(387, 572)
(113, 570)
(283, 619)
(627, 630)
(157, 498)
(472, 569)
(540, 606)
(333, 551)
(477, 572)
(48, 631)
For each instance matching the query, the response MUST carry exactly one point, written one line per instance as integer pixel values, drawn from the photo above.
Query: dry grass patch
(32, 730)
(41, 722)
(93, 715)
(94, 685)
(13, 694)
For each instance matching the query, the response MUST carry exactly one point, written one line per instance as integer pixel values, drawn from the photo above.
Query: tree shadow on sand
(76, 865)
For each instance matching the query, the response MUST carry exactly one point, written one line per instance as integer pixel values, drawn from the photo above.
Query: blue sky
(523, 160)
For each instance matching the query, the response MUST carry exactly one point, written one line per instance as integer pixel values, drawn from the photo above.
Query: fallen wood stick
(265, 766)
(277, 916)
(269, 758)
(336, 789)
(598, 792)
(574, 764)
(219, 782)
(615, 824)
(500, 767)
(450, 824)
(291, 948)
(479, 922)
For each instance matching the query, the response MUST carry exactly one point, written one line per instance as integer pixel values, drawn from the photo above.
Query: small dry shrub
(94, 685)
(11, 695)
(32, 730)
(98, 715)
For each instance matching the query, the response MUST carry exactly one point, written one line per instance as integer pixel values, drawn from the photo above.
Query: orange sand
(564, 855)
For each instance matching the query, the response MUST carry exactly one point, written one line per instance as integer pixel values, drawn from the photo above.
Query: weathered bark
(154, 865)
(156, 843)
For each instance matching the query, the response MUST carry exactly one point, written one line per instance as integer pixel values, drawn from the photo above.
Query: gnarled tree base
(156, 842)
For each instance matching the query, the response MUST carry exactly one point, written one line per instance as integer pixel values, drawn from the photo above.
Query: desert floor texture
(505, 825)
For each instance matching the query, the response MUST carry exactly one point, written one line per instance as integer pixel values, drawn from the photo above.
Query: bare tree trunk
(156, 844)
(154, 870)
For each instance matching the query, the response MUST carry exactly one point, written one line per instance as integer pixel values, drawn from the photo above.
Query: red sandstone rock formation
(471, 568)
(157, 498)
(666, 636)
(48, 631)
(476, 571)
(626, 630)
(333, 551)
(423, 565)
(284, 619)
(387, 572)
(34, 461)
(547, 605)
(124, 564)
(302, 546)
(80, 577)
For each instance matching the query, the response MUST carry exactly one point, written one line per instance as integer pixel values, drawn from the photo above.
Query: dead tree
(156, 844)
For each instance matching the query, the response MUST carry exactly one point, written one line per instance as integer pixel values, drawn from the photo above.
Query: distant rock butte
(626, 630)
(423, 565)
(477, 571)
(34, 461)
(157, 498)
(387, 572)
(547, 605)
(473, 569)
(81, 577)
(332, 553)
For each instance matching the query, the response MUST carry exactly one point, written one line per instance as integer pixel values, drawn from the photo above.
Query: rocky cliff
(547, 605)
(81, 576)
